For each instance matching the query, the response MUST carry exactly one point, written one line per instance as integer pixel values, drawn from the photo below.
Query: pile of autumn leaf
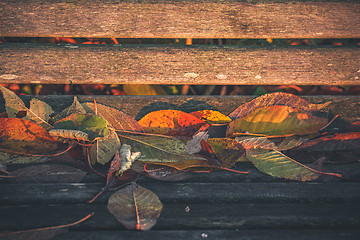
(166, 144)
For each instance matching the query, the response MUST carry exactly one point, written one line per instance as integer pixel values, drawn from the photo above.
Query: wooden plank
(170, 192)
(84, 64)
(348, 107)
(255, 234)
(201, 216)
(180, 19)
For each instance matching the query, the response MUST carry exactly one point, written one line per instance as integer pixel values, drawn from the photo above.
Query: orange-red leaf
(25, 137)
(171, 122)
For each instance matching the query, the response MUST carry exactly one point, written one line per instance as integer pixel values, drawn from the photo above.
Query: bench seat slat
(180, 19)
(83, 64)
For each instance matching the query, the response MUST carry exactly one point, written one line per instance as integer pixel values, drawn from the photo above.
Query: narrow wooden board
(169, 192)
(144, 64)
(200, 216)
(180, 19)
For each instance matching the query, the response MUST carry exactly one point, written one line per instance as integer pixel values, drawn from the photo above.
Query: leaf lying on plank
(12, 158)
(13, 105)
(277, 120)
(47, 173)
(45, 233)
(157, 148)
(25, 137)
(279, 144)
(115, 118)
(94, 126)
(276, 164)
(135, 207)
(165, 173)
(229, 151)
(75, 107)
(277, 98)
(103, 150)
(171, 122)
(211, 116)
(194, 145)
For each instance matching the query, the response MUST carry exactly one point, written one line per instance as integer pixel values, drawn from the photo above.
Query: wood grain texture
(180, 19)
(84, 64)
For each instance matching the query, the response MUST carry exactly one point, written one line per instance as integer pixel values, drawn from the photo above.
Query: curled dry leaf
(276, 164)
(47, 173)
(277, 120)
(75, 107)
(115, 118)
(211, 116)
(127, 158)
(135, 207)
(25, 137)
(277, 98)
(171, 122)
(103, 150)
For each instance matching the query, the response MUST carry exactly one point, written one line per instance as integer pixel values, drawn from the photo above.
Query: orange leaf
(25, 137)
(171, 122)
(211, 117)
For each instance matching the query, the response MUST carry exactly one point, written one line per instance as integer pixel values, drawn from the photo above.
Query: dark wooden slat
(200, 216)
(348, 107)
(268, 234)
(64, 64)
(180, 19)
(187, 192)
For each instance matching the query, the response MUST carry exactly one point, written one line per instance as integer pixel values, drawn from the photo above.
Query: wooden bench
(219, 205)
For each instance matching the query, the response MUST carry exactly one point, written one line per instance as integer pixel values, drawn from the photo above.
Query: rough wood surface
(180, 19)
(64, 64)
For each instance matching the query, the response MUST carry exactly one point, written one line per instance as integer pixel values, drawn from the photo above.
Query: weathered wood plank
(277, 192)
(201, 216)
(348, 107)
(255, 234)
(180, 19)
(84, 64)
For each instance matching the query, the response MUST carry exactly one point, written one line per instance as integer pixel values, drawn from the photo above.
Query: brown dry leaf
(135, 207)
(116, 118)
(277, 98)
(47, 173)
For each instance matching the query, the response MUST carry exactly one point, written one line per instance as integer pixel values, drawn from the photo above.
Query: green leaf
(91, 124)
(277, 120)
(135, 207)
(228, 150)
(103, 150)
(157, 149)
(276, 164)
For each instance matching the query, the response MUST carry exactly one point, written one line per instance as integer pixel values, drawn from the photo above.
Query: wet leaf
(115, 118)
(135, 207)
(103, 150)
(228, 150)
(14, 105)
(91, 124)
(157, 149)
(276, 164)
(277, 98)
(277, 120)
(171, 122)
(22, 136)
(47, 173)
(212, 117)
